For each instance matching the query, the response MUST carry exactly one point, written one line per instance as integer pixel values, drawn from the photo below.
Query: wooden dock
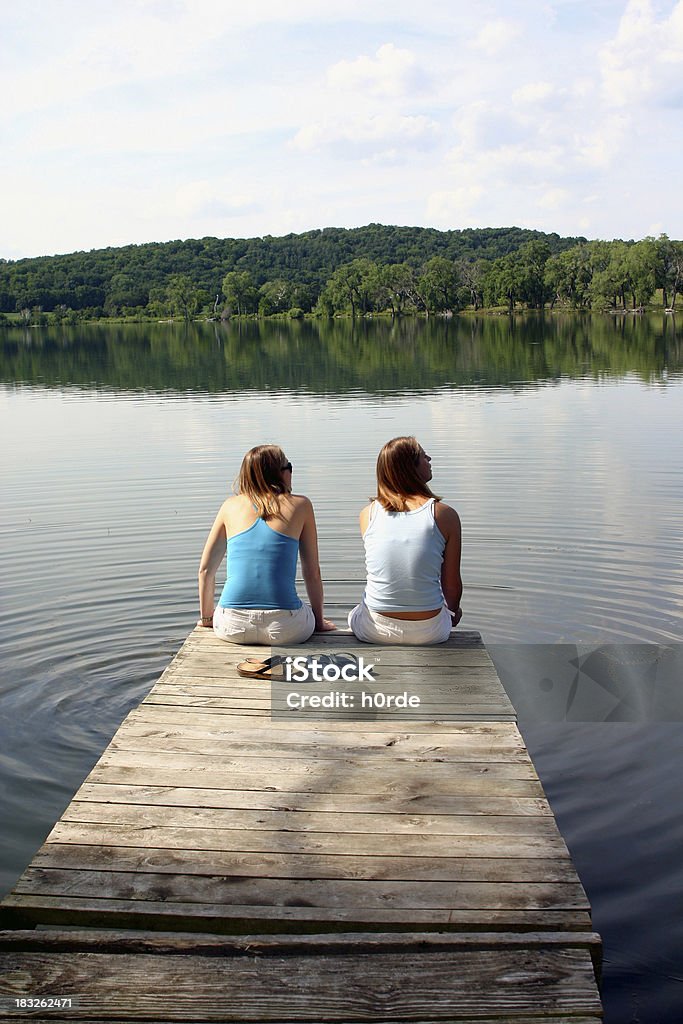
(313, 870)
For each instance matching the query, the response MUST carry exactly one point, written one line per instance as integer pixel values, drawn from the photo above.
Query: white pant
(373, 628)
(274, 626)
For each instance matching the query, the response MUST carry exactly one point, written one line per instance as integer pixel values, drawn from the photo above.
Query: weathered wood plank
(202, 944)
(435, 728)
(398, 825)
(304, 865)
(390, 662)
(463, 655)
(462, 985)
(214, 672)
(316, 781)
(481, 711)
(344, 895)
(458, 639)
(430, 803)
(164, 1019)
(104, 1017)
(476, 704)
(253, 841)
(236, 918)
(465, 707)
(218, 732)
(399, 770)
(198, 738)
(443, 684)
(458, 736)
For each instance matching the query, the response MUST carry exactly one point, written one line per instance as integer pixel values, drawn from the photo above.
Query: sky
(149, 120)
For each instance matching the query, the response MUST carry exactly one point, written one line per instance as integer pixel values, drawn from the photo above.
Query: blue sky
(148, 120)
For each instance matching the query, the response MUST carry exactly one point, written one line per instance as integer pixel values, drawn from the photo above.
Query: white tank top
(403, 559)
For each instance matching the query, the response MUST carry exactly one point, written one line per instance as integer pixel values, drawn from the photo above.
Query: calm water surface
(559, 443)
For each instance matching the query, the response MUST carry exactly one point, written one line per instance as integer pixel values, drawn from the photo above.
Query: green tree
(325, 305)
(400, 286)
(531, 259)
(610, 280)
(669, 269)
(123, 290)
(472, 274)
(351, 286)
(438, 286)
(503, 282)
(182, 297)
(568, 276)
(240, 292)
(641, 271)
(275, 297)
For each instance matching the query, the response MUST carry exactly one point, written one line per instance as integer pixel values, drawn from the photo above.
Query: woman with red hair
(412, 545)
(263, 528)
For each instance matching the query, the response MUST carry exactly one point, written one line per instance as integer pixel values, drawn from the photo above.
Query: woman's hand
(456, 616)
(325, 626)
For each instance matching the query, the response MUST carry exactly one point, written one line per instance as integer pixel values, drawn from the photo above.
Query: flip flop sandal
(255, 668)
(340, 660)
(344, 659)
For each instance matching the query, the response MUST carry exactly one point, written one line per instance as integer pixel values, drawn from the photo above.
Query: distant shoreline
(376, 270)
(14, 321)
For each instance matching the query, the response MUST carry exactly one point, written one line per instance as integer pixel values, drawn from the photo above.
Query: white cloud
(215, 198)
(513, 164)
(533, 92)
(554, 198)
(109, 50)
(484, 125)
(454, 206)
(601, 145)
(373, 133)
(644, 61)
(495, 36)
(366, 109)
(392, 72)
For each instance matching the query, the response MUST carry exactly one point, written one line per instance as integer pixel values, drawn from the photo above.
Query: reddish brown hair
(260, 479)
(397, 476)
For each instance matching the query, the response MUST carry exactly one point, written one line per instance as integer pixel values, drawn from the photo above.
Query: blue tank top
(403, 557)
(261, 570)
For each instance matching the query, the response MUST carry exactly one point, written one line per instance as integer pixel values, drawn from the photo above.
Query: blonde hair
(397, 476)
(260, 479)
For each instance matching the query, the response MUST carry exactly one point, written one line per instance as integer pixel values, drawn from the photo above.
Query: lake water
(558, 441)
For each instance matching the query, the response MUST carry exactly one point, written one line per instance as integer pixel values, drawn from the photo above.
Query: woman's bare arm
(212, 556)
(310, 567)
(448, 521)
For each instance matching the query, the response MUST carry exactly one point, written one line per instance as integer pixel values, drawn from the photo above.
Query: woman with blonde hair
(263, 528)
(412, 545)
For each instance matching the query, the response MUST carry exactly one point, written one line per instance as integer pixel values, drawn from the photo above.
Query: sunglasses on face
(287, 466)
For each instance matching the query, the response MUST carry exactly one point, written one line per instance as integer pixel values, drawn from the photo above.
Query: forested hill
(108, 280)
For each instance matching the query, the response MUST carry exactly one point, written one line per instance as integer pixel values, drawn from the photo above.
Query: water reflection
(339, 357)
(570, 496)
